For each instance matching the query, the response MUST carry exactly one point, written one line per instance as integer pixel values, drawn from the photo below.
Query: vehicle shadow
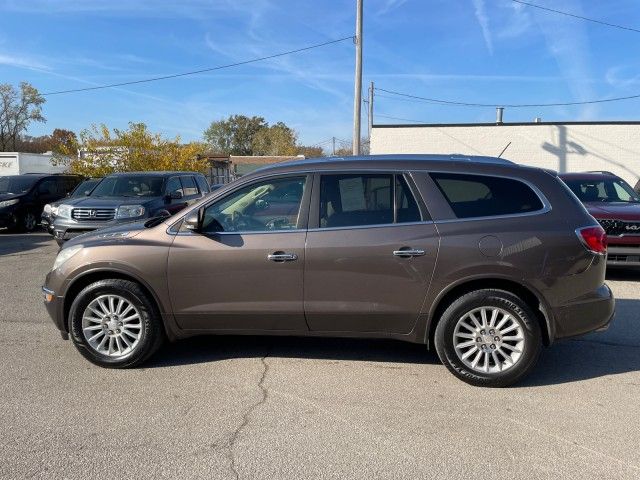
(613, 352)
(223, 347)
(13, 243)
(598, 354)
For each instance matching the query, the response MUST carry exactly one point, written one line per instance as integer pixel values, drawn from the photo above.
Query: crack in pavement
(245, 418)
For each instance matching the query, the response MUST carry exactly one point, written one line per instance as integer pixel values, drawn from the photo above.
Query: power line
(576, 16)
(204, 70)
(399, 118)
(510, 105)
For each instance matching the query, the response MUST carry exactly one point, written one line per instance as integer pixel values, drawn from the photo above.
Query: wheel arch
(87, 278)
(528, 295)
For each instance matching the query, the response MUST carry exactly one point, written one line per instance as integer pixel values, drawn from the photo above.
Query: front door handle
(408, 252)
(282, 257)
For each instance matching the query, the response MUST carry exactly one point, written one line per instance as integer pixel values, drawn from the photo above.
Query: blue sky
(488, 51)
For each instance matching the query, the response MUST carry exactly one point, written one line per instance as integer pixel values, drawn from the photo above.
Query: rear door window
(355, 200)
(173, 185)
(189, 185)
(485, 196)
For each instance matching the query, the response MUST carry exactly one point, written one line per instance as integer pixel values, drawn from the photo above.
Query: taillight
(594, 239)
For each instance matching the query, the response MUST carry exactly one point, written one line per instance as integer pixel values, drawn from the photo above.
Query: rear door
(370, 255)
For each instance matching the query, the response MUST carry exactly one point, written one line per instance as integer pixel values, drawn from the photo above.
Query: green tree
(17, 110)
(277, 139)
(234, 136)
(99, 151)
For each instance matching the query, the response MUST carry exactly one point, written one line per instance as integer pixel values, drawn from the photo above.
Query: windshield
(133, 186)
(84, 187)
(603, 190)
(16, 184)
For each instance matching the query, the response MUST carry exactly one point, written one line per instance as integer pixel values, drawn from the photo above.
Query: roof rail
(606, 172)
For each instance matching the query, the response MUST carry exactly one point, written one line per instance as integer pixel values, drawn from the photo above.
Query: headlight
(130, 211)
(64, 211)
(8, 203)
(54, 211)
(47, 208)
(65, 254)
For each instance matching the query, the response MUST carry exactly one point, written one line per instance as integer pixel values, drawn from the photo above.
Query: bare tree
(17, 110)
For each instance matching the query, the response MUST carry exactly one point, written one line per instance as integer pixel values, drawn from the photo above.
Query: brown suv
(480, 258)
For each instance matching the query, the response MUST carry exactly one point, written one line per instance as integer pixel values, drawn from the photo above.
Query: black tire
(27, 221)
(151, 331)
(521, 313)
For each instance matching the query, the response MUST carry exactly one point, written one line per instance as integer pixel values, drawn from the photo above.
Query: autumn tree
(18, 108)
(99, 151)
(278, 139)
(234, 136)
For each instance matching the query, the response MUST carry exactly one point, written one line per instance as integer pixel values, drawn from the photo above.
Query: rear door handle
(408, 252)
(282, 257)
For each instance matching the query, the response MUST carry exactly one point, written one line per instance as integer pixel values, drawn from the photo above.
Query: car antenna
(504, 150)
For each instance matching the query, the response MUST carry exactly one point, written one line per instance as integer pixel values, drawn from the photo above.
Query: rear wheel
(115, 324)
(489, 338)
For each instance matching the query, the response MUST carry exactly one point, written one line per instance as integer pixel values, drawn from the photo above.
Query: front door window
(270, 205)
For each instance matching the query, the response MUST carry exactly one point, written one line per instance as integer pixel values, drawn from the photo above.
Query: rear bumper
(623, 255)
(587, 314)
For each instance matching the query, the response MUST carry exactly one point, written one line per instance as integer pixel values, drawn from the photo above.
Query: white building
(17, 163)
(564, 147)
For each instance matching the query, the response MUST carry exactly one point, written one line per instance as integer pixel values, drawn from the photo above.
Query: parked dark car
(611, 201)
(126, 197)
(50, 210)
(480, 258)
(23, 197)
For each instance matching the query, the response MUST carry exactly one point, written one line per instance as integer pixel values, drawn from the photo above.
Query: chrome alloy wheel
(30, 221)
(488, 340)
(112, 326)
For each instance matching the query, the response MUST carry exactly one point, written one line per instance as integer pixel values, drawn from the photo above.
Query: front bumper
(65, 229)
(587, 314)
(7, 219)
(55, 308)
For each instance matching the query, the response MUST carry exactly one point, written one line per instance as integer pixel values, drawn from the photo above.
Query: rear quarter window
(486, 196)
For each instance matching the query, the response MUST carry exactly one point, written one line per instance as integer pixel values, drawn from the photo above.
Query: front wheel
(488, 338)
(114, 323)
(27, 222)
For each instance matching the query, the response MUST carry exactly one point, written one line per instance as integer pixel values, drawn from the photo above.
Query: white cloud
(22, 62)
(483, 19)
(390, 5)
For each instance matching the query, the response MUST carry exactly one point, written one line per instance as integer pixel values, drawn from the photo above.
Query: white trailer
(17, 163)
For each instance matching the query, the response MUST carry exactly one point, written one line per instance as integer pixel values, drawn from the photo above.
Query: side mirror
(175, 195)
(193, 221)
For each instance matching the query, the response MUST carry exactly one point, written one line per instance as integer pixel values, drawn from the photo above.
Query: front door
(369, 262)
(244, 269)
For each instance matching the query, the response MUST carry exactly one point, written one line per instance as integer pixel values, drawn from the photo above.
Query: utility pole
(357, 99)
(370, 115)
(333, 150)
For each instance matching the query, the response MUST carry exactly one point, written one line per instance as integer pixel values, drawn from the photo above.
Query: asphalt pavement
(291, 408)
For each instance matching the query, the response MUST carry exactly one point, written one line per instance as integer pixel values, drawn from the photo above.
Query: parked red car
(615, 204)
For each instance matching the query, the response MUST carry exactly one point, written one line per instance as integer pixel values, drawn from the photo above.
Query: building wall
(613, 147)
(15, 163)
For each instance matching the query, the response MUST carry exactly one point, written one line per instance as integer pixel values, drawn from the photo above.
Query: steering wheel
(276, 223)
(242, 222)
